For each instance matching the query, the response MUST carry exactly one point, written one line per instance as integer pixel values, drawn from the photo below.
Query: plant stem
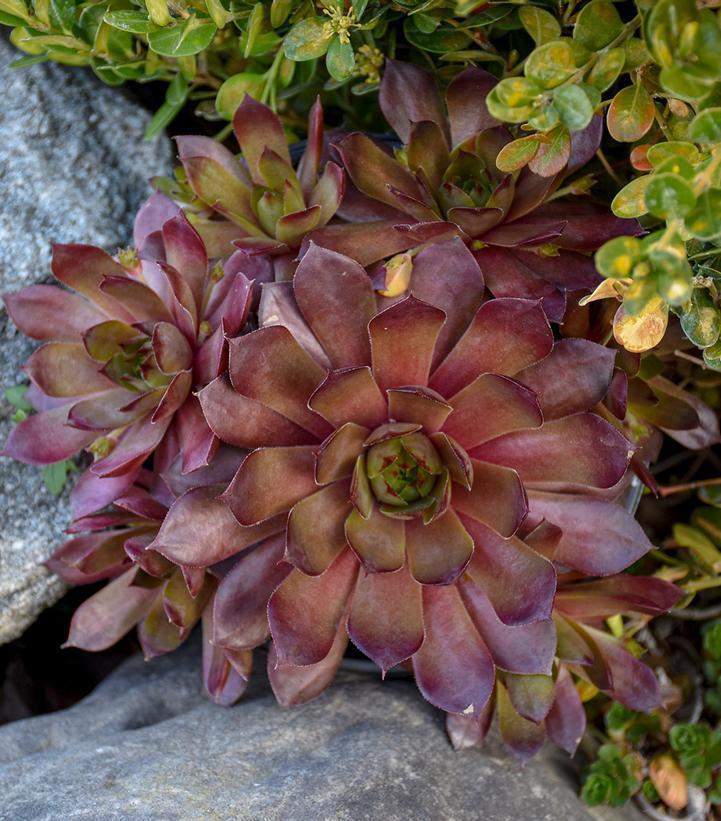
(687, 486)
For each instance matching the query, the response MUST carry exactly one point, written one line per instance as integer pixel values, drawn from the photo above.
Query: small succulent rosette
(529, 237)
(427, 484)
(164, 600)
(259, 201)
(125, 349)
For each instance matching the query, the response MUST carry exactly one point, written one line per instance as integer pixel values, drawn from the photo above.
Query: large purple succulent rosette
(530, 238)
(125, 349)
(421, 474)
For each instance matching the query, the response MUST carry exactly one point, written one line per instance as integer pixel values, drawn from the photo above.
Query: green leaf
(442, 41)
(425, 23)
(359, 7)
(711, 495)
(183, 39)
(506, 113)
(162, 119)
(514, 92)
(177, 91)
(607, 68)
(669, 196)
(62, 14)
(279, 11)
(630, 201)
(517, 154)
(679, 166)
(701, 321)
(15, 9)
(630, 114)
(158, 11)
(636, 54)
(615, 259)
(263, 42)
(660, 152)
(664, 25)
(704, 222)
(540, 24)
(136, 22)
(231, 93)
(29, 60)
(15, 395)
(573, 106)
(10, 20)
(253, 29)
(544, 118)
(55, 476)
(175, 97)
(218, 13)
(551, 64)
(307, 40)
(680, 82)
(706, 126)
(712, 356)
(61, 40)
(340, 60)
(597, 25)
(553, 155)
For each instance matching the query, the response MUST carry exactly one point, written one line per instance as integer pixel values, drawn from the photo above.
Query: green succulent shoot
(698, 748)
(613, 778)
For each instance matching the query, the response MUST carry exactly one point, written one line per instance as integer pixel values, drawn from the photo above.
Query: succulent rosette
(444, 181)
(125, 349)
(165, 601)
(652, 393)
(417, 479)
(259, 201)
(546, 704)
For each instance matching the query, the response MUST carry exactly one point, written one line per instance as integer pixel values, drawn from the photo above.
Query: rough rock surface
(74, 168)
(147, 744)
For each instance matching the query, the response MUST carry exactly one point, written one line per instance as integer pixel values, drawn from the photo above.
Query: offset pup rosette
(421, 470)
(125, 349)
(258, 201)
(444, 182)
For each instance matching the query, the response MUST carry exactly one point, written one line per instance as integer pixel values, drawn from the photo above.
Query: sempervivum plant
(444, 181)
(124, 351)
(417, 478)
(145, 589)
(259, 201)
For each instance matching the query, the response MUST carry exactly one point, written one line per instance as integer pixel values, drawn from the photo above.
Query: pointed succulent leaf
(386, 617)
(305, 612)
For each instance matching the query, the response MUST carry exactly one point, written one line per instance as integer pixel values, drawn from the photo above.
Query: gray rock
(147, 744)
(74, 168)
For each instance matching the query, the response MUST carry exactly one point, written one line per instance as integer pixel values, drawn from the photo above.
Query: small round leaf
(553, 155)
(573, 106)
(307, 40)
(516, 154)
(340, 60)
(706, 126)
(644, 330)
(551, 63)
(704, 222)
(701, 322)
(630, 201)
(540, 24)
(630, 114)
(597, 25)
(616, 258)
(669, 196)
(231, 93)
